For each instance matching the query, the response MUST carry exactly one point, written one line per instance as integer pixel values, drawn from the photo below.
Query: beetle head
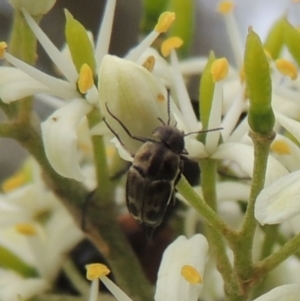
(171, 137)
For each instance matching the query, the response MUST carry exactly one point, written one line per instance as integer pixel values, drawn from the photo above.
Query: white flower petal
(60, 138)
(55, 86)
(212, 138)
(182, 95)
(279, 201)
(290, 160)
(170, 284)
(15, 84)
(244, 155)
(233, 191)
(293, 126)
(287, 292)
(15, 288)
(64, 64)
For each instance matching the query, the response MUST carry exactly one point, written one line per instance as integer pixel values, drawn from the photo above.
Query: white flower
(34, 7)
(179, 277)
(38, 230)
(14, 287)
(287, 292)
(171, 285)
(280, 200)
(61, 139)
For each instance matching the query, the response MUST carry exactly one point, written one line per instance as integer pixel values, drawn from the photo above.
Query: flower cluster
(249, 165)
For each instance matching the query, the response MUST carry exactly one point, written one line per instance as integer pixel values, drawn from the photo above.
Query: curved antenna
(203, 131)
(141, 139)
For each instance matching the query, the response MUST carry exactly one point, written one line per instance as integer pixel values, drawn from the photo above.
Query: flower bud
(33, 7)
(258, 80)
(135, 97)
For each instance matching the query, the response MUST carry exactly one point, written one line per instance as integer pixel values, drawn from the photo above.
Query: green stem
(215, 239)
(271, 262)
(105, 189)
(208, 182)
(103, 229)
(212, 219)
(244, 244)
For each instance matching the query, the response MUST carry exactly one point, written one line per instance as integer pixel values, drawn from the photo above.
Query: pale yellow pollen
(14, 182)
(96, 270)
(85, 81)
(149, 63)
(169, 44)
(280, 147)
(190, 274)
(219, 69)
(26, 229)
(160, 98)
(225, 7)
(3, 47)
(164, 22)
(287, 68)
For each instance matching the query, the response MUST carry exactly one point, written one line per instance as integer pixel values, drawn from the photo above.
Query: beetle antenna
(123, 126)
(203, 131)
(161, 120)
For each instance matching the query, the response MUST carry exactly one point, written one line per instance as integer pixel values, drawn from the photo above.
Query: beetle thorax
(171, 137)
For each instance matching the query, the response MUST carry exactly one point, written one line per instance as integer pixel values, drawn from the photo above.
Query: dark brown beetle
(156, 169)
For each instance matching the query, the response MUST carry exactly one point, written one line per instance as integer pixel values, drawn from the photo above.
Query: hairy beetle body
(151, 182)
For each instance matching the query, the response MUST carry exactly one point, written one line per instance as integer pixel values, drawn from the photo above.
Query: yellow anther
(219, 69)
(14, 182)
(190, 274)
(287, 68)
(96, 270)
(26, 229)
(225, 7)
(169, 44)
(149, 63)
(164, 22)
(85, 81)
(3, 47)
(280, 147)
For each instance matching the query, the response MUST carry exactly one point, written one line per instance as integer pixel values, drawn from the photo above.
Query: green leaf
(152, 11)
(8, 260)
(183, 26)
(275, 38)
(206, 91)
(258, 82)
(292, 40)
(80, 46)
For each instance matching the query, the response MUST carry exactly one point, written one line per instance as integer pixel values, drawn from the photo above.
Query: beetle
(156, 169)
